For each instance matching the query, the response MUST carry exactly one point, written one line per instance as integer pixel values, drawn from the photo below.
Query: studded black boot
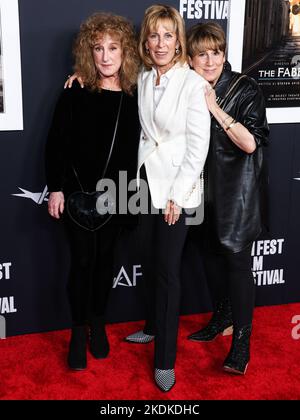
(239, 355)
(99, 345)
(77, 348)
(220, 322)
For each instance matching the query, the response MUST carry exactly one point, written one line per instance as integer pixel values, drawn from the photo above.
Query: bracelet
(231, 125)
(228, 116)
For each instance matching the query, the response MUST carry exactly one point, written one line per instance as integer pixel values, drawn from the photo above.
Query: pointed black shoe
(220, 322)
(99, 344)
(139, 337)
(77, 349)
(239, 355)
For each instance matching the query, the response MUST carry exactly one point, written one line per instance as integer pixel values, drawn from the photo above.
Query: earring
(147, 51)
(177, 51)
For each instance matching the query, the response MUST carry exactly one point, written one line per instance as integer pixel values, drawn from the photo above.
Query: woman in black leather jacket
(234, 181)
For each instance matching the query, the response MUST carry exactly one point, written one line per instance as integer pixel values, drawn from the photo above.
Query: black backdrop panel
(34, 256)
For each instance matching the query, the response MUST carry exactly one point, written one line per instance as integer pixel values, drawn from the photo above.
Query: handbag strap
(114, 137)
(111, 147)
(231, 88)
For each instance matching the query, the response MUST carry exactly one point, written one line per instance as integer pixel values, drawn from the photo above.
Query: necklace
(111, 89)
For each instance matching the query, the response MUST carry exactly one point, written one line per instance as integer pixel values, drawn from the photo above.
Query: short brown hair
(153, 15)
(117, 27)
(205, 36)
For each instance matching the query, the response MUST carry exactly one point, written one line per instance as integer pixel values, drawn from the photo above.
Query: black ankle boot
(221, 321)
(99, 345)
(77, 349)
(239, 355)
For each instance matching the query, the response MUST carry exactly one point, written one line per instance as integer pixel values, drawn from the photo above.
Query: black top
(235, 182)
(81, 134)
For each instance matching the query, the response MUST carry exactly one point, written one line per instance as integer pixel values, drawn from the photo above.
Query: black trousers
(91, 272)
(230, 276)
(162, 247)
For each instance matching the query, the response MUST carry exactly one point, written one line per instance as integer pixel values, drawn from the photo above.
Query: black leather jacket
(235, 181)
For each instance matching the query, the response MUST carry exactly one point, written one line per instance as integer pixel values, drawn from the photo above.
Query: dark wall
(34, 257)
(266, 24)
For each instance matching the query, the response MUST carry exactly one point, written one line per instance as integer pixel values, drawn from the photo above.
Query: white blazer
(174, 137)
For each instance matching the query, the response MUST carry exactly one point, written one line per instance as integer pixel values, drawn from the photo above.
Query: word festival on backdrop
(2, 327)
(204, 9)
(296, 328)
(7, 305)
(260, 249)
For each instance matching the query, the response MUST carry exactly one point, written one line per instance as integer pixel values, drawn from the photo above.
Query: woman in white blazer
(173, 147)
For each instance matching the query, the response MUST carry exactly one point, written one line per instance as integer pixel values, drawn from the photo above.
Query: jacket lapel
(223, 82)
(146, 104)
(164, 111)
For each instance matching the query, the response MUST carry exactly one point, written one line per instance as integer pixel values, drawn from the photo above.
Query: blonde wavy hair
(153, 16)
(120, 29)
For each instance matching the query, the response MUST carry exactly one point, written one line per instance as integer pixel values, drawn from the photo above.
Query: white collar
(170, 72)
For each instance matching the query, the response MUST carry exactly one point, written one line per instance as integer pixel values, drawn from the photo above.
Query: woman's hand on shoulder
(210, 97)
(56, 204)
(71, 79)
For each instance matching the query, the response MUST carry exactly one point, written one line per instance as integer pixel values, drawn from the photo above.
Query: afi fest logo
(296, 329)
(37, 197)
(123, 278)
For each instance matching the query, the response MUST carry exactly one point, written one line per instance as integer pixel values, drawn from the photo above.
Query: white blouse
(159, 89)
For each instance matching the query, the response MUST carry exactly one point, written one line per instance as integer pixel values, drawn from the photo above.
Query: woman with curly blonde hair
(118, 28)
(79, 143)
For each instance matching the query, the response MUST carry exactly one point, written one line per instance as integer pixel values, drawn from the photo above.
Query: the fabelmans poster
(11, 111)
(264, 42)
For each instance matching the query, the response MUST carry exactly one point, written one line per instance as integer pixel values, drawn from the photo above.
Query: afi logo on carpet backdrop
(296, 329)
(123, 279)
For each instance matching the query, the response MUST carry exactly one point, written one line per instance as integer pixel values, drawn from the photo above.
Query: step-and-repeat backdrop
(34, 256)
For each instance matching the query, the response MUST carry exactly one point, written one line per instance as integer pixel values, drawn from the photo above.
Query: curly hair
(153, 16)
(119, 28)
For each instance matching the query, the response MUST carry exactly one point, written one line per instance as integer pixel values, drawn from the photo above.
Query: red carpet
(33, 366)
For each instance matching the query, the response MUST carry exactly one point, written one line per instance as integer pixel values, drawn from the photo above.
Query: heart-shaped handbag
(92, 210)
